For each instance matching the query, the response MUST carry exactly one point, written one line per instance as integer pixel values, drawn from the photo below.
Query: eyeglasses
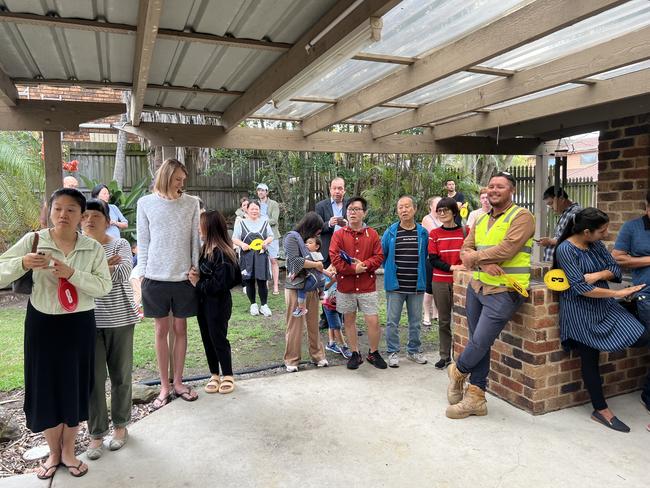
(355, 209)
(442, 211)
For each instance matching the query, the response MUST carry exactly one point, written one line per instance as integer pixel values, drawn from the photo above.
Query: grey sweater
(168, 237)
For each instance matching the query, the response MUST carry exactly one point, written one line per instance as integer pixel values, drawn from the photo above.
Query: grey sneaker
(254, 310)
(417, 357)
(94, 453)
(265, 310)
(393, 360)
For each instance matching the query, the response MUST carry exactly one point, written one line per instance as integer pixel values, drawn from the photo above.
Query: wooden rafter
(385, 58)
(522, 26)
(293, 140)
(8, 92)
(624, 50)
(298, 59)
(484, 70)
(148, 21)
(54, 115)
(605, 91)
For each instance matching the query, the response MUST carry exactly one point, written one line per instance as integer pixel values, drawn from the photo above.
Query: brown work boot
(473, 403)
(456, 384)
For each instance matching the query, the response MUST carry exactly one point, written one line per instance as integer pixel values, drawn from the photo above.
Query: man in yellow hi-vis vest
(498, 248)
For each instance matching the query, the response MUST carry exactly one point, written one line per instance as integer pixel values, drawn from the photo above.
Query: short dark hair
(550, 193)
(69, 192)
(507, 176)
(95, 191)
(450, 179)
(363, 201)
(317, 240)
(99, 206)
(255, 202)
(309, 225)
(449, 203)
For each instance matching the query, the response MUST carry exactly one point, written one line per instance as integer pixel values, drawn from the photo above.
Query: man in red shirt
(355, 252)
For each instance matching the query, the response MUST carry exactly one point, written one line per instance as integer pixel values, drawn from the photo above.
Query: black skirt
(59, 367)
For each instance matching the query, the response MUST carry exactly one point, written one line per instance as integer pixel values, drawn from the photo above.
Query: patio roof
(464, 70)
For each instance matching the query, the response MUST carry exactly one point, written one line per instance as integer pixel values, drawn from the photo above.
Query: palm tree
(22, 184)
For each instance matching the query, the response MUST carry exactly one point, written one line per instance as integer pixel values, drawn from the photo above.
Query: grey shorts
(161, 297)
(366, 303)
(274, 248)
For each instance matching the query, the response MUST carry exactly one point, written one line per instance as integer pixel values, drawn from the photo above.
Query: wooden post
(52, 160)
(541, 181)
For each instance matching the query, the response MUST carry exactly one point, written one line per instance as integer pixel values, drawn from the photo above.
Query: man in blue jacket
(405, 253)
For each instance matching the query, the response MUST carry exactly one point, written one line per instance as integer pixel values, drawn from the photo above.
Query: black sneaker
(355, 360)
(376, 360)
(443, 363)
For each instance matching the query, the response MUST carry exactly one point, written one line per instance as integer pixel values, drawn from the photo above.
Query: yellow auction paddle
(464, 212)
(556, 280)
(256, 245)
(515, 285)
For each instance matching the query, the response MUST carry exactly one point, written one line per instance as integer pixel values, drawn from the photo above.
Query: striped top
(117, 309)
(406, 259)
(444, 251)
(600, 323)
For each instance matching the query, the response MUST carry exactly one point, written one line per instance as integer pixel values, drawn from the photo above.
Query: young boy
(314, 279)
(336, 342)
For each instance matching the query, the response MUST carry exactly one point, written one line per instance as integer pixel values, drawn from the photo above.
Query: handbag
(23, 285)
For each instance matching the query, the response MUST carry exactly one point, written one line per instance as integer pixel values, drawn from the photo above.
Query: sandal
(212, 386)
(160, 402)
(188, 395)
(227, 385)
(47, 475)
(80, 473)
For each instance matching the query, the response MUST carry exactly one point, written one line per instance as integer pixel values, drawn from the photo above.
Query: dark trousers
(214, 313)
(487, 315)
(643, 309)
(261, 286)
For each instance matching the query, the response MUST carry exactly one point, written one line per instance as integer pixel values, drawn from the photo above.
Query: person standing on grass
(59, 350)
(218, 272)
(430, 222)
(271, 210)
(116, 315)
(498, 248)
(168, 248)
(450, 186)
(298, 264)
(445, 243)
(254, 263)
(404, 246)
(335, 340)
(355, 252)
(118, 221)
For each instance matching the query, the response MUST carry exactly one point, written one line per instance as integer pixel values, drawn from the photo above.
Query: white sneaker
(393, 360)
(292, 369)
(418, 357)
(265, 310)
(323, 363)
(254, 309)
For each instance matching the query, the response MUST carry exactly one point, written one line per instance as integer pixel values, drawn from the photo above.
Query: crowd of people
(82, 310)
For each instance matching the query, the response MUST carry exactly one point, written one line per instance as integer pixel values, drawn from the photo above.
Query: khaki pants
(443, 296)
(292, 353)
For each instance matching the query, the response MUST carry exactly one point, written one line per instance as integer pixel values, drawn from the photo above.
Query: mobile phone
(41, 253)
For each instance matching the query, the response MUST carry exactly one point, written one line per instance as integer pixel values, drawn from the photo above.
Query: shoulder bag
(23, 285)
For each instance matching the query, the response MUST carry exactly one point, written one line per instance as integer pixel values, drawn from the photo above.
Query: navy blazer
(324, 209)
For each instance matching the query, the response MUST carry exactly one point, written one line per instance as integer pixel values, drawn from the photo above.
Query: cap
(507, 176)
(262, 186)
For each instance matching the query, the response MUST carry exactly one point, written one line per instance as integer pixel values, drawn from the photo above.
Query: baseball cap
(262, 186)
(507, 176)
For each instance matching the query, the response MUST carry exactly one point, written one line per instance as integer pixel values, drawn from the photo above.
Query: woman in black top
(218, 273)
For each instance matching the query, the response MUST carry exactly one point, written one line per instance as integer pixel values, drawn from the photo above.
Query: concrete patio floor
(334, 427)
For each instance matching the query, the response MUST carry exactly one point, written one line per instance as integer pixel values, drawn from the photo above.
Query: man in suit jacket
(332, 211)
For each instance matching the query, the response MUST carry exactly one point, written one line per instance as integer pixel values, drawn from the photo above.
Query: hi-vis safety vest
(517, 268)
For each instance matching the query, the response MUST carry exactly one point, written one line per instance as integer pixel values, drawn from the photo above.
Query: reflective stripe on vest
(518, 268)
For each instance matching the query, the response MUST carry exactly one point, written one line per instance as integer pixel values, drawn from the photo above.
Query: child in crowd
(313, 279)
(336, 342)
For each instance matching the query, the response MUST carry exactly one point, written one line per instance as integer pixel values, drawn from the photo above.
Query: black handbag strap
(35, 242)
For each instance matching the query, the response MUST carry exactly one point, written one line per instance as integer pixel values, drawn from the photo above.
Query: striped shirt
(117, 309)
(406, 259)
(444, 251)
(565, 218)
(600, 323)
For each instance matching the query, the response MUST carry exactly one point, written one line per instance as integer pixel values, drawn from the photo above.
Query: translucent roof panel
(595, 30)
(447, 87)
(377, 113)
(624, 71)
(533, 96)
(410, 29)
(292, 110)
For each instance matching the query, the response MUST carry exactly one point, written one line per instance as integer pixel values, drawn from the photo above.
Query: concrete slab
(334, 427)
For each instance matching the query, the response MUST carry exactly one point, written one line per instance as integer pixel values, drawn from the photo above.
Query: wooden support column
(541, 215)
(52, 159)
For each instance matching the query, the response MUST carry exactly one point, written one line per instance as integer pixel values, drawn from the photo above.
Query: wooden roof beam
(385, 58)
(624, 50)
(54, 115)
(298, 59)
(148, 21)
(484, 70)
(526, 24)
(8, 92)
(606, 91)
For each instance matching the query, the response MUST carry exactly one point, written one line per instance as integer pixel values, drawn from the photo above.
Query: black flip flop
(47, 476)
(162, 401)
(614, 424)
(187, 395)
(78, 468)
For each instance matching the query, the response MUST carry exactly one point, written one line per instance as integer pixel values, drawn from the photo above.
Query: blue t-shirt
(634, 239)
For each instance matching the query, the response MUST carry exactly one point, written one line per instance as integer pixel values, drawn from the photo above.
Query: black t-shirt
(460, 198)
(406, 259)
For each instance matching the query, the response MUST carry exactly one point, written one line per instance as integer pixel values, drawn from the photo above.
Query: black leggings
(591, 374)
(261, 286)
(213, 316)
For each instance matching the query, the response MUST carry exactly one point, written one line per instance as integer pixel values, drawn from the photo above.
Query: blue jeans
(333, 318)
(487, 315)
(394, 304)
(311, 283)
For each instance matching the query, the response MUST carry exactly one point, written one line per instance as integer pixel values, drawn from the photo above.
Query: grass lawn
(255, 341)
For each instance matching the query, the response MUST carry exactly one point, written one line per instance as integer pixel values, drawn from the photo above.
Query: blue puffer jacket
(390, 269)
